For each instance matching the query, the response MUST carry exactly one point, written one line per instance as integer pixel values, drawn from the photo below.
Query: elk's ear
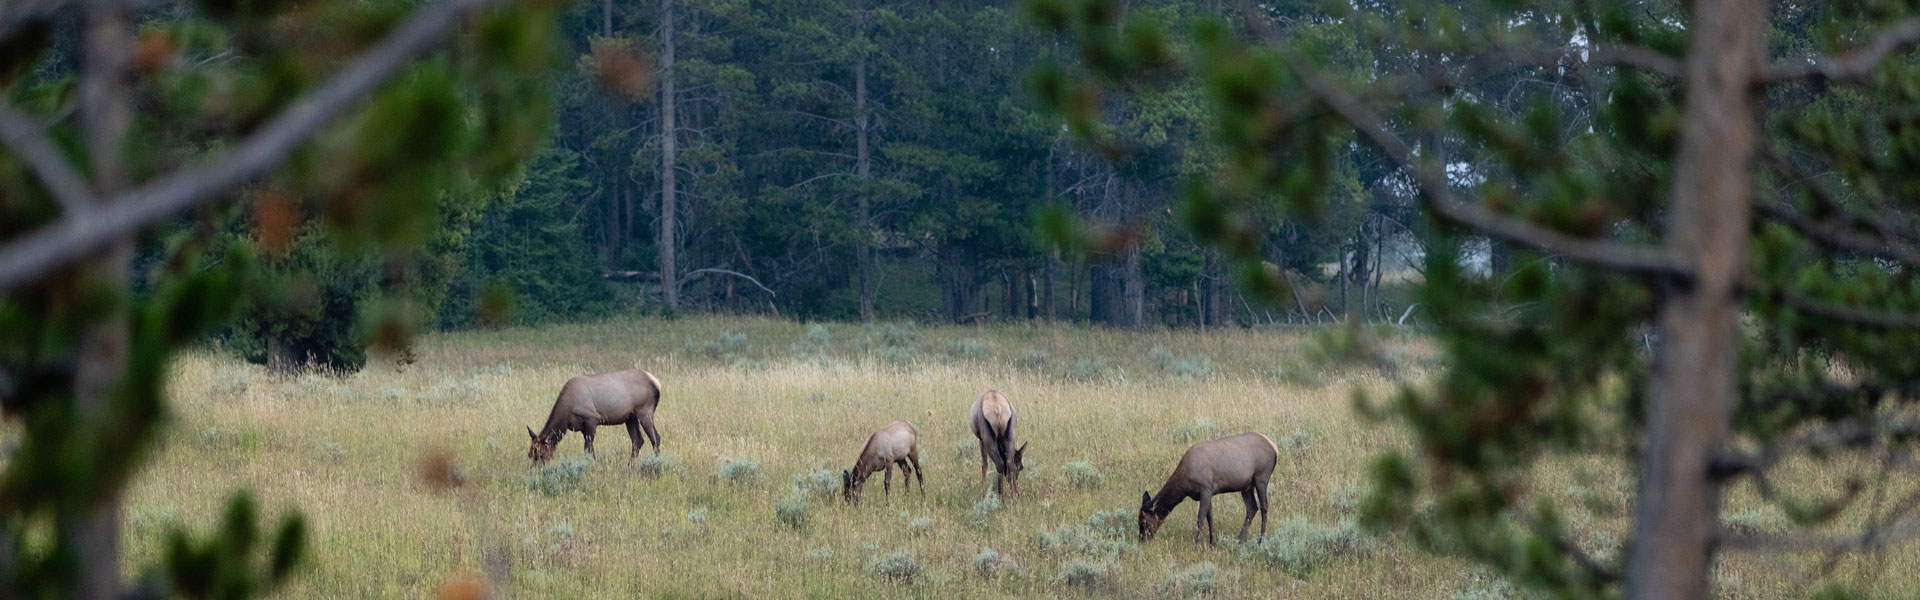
(1017, 452)
(1146, 500)
(531, 434)
(846, 479)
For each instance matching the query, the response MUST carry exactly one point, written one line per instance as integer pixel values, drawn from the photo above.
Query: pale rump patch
(1276, 447)
(996, 410)
(655, 380)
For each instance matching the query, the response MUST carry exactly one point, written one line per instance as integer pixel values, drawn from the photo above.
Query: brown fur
(992, 420)
(896, 444)
(1242, 463)
(590, 401)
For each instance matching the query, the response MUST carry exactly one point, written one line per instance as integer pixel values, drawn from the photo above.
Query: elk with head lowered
(589, 401)
(1241, 463)
(992, 421)
(897, 443)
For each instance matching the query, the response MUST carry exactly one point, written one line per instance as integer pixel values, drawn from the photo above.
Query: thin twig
(23, 134)
(1852, 64)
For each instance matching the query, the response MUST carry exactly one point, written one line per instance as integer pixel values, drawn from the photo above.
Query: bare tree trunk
(669, 279)
(1073, 292)
(1134, 288)
(863, 238)
(1032, 293)
(1692, 391)
(606, 18)
(1046, 292)
(106, 113)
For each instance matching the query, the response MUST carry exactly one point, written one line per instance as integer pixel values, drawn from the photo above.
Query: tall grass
(796, 401)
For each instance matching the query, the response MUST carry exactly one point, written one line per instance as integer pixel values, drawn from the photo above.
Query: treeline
(862, 159)
(836, 160)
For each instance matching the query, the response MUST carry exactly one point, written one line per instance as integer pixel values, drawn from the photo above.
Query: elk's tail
(656, 387)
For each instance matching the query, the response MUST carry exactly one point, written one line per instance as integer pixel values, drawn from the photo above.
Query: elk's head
(539, 450)
(1014, 467)
(849, 489)
(1149, 522)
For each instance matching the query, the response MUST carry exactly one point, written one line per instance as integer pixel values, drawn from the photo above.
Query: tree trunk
(101, 360)
(1692, 391)
(669, 278)
(1073, 292)
(1135, 288)
(606, 18)
(958, 288)
(1032, 294)
(1046, 293)
(863, 222)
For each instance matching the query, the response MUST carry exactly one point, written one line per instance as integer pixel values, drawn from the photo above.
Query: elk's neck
(556, 421)
(1171, 495)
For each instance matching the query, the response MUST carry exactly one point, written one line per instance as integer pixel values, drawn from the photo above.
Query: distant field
(1106, 413)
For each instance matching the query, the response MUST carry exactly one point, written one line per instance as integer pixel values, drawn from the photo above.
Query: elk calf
(992, 421)
(897, 443)
(589, 401)
(1241, 463)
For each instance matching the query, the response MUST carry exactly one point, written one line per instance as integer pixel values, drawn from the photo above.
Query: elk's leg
(1253, 504)
(1202, 516)
(586, 432)
(906, 476)
(886, 484)
(983, 465)
(1206, 514)
(1261, 488)
(918, 473)
(633, 433)
(646, 422)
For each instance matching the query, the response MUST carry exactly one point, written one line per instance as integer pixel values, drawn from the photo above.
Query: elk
(1241, 463)
(589, 401)
(897, 443)
(992, 420)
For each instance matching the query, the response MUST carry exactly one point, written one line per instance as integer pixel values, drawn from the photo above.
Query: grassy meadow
(758, 418)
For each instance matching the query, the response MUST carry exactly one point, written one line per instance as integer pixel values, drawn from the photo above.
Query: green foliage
(1104, 537)
(1298, 545)
(1197, 581)
(983, 512)
(737, 471)
(559, 477)
(224, 565)
(1081, 474)
(527, 243)
(792, 510)
(989, 563)
(899, 565)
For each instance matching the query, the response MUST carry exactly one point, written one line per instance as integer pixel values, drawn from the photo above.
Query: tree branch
(698, 272)
(1887, 223)
(1853, 64)
(1851, 314)
(1848, 434)
(22, 134)
(1635, 56)
(74, 236)
(1833, 235)
(1433, 187)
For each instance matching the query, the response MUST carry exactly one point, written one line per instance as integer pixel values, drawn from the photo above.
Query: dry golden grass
(369, 459)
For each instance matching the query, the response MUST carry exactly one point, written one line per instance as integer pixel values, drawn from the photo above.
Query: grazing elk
(897, 443)
(1240, 463)
(589, 401)
(992, 421)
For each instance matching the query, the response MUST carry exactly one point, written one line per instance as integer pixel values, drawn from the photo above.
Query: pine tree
(1702, 211)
